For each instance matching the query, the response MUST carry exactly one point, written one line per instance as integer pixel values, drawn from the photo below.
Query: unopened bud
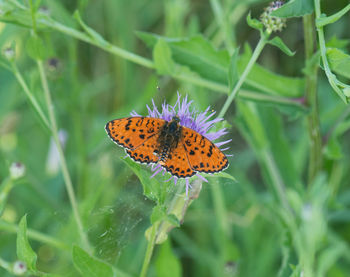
(273, 23)
(17, 170)
(19, 268)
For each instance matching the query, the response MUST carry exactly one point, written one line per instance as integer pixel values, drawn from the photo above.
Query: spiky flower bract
(201, 122)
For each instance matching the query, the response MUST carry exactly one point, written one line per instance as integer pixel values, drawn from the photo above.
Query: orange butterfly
(180, 150)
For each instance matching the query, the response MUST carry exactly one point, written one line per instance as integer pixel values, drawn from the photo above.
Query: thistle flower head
(201, 122)
(273, 23)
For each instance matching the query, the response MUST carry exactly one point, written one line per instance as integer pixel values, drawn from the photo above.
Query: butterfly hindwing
(177, 163)
(202, 154)
(131, 132)
(145, 152)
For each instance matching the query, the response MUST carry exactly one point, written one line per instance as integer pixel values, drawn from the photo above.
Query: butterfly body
(168, 139)
(180, 150)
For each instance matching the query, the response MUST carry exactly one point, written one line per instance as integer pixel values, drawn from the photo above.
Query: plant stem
(150, 247)
(315, 159)
(6, 265)
(276, 177)
(259, 47)
(65, 172)
(158, 226)
(323, 50)
(30, 95)
(13, 228)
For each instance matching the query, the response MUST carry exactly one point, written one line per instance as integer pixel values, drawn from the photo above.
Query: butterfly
(180, 150)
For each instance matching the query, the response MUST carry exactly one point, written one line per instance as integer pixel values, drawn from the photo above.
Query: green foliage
(68, 67)
(89, 266)
(25, 252)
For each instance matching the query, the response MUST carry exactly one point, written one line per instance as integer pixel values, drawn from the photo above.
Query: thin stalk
(276, 178)
(65, 172)
(30, 95)
(156, 227)
(150, 247)
(315, 159)
(149, 64)
(234, 93)
(13, 228)
(6, 265)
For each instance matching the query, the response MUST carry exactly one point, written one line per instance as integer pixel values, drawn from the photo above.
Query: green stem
(323, 50)
(65, 172)
(244, 75)
(276, 177)
(150, 247)
(158, 226)
(107, 46)
(315, 159)
(13, 228)
(6, 265)
(30, 95)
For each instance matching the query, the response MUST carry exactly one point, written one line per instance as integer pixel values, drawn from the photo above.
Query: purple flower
(201, 122)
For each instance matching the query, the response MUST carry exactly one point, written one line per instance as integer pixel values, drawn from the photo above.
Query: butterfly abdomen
(168, 139)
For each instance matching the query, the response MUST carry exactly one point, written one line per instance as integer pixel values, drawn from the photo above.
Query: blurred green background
(90, 86)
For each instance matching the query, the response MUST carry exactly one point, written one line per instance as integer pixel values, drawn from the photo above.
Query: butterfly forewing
(202, 154)
(131, 132)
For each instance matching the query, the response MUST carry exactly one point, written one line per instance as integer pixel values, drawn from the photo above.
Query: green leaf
(91, 32)
(166, 263)
(201, 57)
(295, 8)
(24, 250)
(36, 48)
(90, 266)
(158, 213)
(232, 70)
(325, 20)
(151, 187)
(221, 174)
(267, 81)
(173, 220)
(197, 53)
(333, 148)
(278, 42)
(254, 23)
(339, 61)
(162, 58)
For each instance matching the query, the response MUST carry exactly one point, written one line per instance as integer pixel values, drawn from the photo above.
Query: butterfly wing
(177, 163)
(145, 152)
(132, 132)
(203, 155)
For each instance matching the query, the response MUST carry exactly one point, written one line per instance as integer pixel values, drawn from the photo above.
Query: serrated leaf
(254, 23)
(295, 8)
(90, 266)
(24, 250)
(339, 61)
(233, 75)
(278, 42)
(325, 20)
(162, 58)
(35, 48)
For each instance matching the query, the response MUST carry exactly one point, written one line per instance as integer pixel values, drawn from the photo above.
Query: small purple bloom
(201, 122)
